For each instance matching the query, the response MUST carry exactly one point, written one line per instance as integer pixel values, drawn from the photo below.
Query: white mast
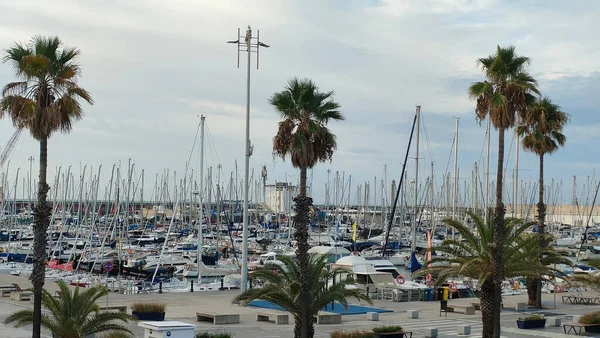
(487, 171)
(455, 188)
(200, 197)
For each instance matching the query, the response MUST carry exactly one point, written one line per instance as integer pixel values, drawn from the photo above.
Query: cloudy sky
(154, 66)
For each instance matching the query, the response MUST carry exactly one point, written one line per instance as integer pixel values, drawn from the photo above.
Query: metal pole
(455, 188)
(200, 200)
(414, 222)
(246, 168)
(487, 171)
(516, 188)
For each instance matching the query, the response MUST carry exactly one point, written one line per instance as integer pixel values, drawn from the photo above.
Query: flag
(354, 231)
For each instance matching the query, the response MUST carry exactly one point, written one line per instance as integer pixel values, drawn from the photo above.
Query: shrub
(590, 318)
(214, 335)
(117, 335)
(532, 317)
(386, 329)
(352, 334)
(148, 307)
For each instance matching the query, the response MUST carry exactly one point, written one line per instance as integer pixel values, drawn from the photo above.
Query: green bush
(532, 317)
(117, 335)
(386, 329)
(148, 307)
(590, 318)
(352, 334)
(214, 335)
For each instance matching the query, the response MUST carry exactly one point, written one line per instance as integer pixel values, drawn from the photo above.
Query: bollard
(222, 284)
(192, 286)
(160, 287)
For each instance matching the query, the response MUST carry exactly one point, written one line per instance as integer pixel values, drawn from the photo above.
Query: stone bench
(553, 321)
(6, 292)
(329, 318)
(430, 332)
(278, 317)
(463, 329)
(21, 295)
(119, 308)
(466, 309)
(217, 318)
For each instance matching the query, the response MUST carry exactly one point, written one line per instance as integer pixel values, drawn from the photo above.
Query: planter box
(592, 329)
(392, 335)
(531, 324)
(149, 316)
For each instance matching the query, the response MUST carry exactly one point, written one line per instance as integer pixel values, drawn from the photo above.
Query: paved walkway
(182, 306)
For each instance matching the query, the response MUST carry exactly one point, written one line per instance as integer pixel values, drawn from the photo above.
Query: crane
(10, 145)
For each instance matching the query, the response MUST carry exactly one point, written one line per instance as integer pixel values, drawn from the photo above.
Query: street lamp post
(247, 43)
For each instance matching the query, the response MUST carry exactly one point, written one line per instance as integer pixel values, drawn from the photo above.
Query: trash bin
(439, 294)
(423, 295)
(167, 329)
(430, 294)
(445, 293)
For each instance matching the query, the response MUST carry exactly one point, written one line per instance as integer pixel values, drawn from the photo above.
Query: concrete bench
(21, 295)
(466, 309)
(6, 292)
(119, 308)
(553, 321)
(373, 316)
(217, 318)
(328, 318)
(430, 332)
(276, 316)
(464, 329)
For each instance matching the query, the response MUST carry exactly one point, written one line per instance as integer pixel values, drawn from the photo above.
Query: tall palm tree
(46, 99)
(472, 257)
(541, 132)
(501, 97)
(304, 137)
(282, 288)
(75, 314)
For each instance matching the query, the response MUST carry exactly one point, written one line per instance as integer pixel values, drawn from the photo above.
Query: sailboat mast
(416, 197)
(200, 196)
(487, 171)
(455, 188)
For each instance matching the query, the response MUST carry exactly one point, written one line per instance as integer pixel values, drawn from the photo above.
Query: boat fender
(429, 277)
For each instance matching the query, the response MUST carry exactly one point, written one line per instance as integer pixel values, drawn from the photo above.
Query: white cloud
(154, 66)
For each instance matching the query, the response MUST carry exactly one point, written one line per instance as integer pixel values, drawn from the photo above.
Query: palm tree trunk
(498, 273)
(541, 228)
(42, 222)
(486, 301)
(532, 285)
(301, 221)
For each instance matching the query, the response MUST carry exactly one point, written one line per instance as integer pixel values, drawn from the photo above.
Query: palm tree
(503, 95)
(472, 257)
(44, 100)
(541, 250)
(282, 288)
(541, 129)
(304, 137)
(74, 314)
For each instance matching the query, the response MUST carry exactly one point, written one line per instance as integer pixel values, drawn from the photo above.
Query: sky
(153, 67)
